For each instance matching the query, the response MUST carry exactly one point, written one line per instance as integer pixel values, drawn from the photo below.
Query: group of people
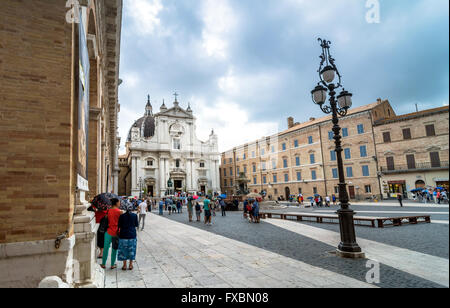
(431, 195)
(117, 231)
(251, 210)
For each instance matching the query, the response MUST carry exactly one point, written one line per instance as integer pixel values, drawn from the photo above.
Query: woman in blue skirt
(128, 223)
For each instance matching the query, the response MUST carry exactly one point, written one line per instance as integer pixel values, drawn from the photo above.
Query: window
(149, 163)
(253, 154)
(330, 135)
(238, 170)
(254, 180)
(225, 183)
(231, 171)
(368, 189)
(263, 166)
(406, 133)
(297, 161)
(390, 163)
(435, 160)
(336, 189)
(283, 146)
(254, 168)
(430, 130)
(202, 165)
(314, 175)
(274, 178)
(275, 191)
(365, 170)
(245, 169)
(177, 163)
(345, 132)
(264, 179)
(231, 183)
(335, 173)
(411, 161)
(347, 153)
(296, 143)
(315, 190)
(386, 137)
(310, 140)
(285, 163)
(224, 172)
(237, 158)
(244, 157)
(176, 144)
(274, 164)
(312, 158)
(273, 149)
(361, 129)
(349, 172)
(231, 160)
(263, 152)
(286, 178)
(333, 155)
(363, 151)
(299, 176)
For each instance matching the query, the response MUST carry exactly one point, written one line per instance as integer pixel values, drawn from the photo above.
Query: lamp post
(141, 184)
(327, 74)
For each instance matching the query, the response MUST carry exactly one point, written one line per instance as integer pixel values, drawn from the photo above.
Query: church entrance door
(150, 191)
(178, 185)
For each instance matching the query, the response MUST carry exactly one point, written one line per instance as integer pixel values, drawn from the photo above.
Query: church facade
(164, 155)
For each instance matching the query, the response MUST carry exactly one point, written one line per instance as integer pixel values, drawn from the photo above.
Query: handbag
(103, 224)
(115, 242)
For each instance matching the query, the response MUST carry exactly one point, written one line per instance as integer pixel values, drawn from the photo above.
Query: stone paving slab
(171, 254)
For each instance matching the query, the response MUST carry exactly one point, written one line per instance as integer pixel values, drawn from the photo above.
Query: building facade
(58, 135)
(164, 155)
(412, 150)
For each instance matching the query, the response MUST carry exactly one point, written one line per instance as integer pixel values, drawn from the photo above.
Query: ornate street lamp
(141, 184)
(338, 106)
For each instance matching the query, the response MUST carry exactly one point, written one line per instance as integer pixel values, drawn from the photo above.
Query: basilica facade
(163, 155)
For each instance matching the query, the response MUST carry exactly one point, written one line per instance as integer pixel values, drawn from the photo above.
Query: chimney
(290, 122)
(312, 119)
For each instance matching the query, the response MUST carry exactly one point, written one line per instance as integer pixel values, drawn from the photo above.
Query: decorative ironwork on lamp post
(338, 106)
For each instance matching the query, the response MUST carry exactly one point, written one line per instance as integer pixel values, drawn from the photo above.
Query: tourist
(334, 199)
(111, 238)
(178, 206)
(207, 208)
(161, 206)
(222, 207)
(250, 210)
(127, 225)
(400, 199)
(245, 208)
(100, 213)
(312, 201)
(190, 207)
(327, 201)
(142, 210)
(198, 211)
(255, 211)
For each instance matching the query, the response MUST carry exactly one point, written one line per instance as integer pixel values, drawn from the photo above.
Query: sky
(245, 66)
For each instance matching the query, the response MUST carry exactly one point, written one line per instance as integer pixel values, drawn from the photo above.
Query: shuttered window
(386, 137)
(435, 160)
(411, 161)
(390, 163)
(407, 133)
(430, 130)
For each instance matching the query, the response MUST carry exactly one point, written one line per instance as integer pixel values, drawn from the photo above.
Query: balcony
(416, 168)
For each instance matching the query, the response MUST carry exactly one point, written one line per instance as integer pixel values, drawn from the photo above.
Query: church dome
(146, 124)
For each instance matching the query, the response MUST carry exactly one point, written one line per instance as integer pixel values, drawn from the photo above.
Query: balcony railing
(415, 167)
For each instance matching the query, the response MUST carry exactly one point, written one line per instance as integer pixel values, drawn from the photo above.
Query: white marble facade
(164, 146)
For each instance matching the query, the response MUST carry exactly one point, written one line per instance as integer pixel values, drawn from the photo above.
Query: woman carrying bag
(111, 238)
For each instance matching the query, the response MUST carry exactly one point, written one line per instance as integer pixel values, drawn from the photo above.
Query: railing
(415, 167)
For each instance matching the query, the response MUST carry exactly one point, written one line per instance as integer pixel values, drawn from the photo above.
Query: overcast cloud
(247, 65)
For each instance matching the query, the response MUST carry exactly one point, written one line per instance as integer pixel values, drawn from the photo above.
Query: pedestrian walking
(190, 207)
(178, 206)
(255, 211)
(127, 225)
(111, 238)
(334, 199)
(327, 201)
(142, 210)
(161, 206)
(222, 207)
(198, 211)
(245, 208)
(207, 208)
(400, 199)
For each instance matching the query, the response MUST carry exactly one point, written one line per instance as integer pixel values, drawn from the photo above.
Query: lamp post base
(350, 255)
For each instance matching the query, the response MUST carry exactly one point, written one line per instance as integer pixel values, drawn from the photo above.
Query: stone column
(162, 181)
(188, 175)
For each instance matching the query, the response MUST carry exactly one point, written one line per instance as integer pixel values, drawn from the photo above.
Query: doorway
(150, 191)
(203, 189)
(287, 193)
(178, 185)
(351, 192)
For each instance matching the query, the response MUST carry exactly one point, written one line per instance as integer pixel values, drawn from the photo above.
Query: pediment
(433, 148)
(388, 153)
(176, 112)
(410, 151)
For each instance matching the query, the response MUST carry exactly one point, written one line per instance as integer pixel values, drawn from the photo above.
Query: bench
(358, 220)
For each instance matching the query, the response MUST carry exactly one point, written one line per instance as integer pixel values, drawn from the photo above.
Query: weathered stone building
(58, 135)
(412, 150)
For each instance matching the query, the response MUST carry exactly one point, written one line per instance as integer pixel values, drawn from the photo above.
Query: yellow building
(412, 150)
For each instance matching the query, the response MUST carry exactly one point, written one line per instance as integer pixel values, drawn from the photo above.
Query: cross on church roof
(176, 96)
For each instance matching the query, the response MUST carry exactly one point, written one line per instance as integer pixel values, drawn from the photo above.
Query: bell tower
(148, 107)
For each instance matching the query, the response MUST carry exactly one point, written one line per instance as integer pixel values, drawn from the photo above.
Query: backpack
(197, 207)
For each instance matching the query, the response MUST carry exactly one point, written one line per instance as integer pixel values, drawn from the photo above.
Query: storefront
(442, 182)
(396, 188)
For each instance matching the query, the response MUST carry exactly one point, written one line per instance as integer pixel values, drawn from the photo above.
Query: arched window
(177, 163)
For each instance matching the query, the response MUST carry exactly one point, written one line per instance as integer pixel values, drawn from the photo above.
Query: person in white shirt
(142, 210)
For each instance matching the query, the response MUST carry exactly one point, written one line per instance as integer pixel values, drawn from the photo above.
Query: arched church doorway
(420, 184)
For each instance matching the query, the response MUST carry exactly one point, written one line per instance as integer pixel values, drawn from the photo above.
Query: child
(198, 211)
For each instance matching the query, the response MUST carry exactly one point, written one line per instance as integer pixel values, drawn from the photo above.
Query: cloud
(144, 14)
(219, 23)
(233, 124)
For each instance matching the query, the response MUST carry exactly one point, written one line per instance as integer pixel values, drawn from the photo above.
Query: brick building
(58, 135)
(301, 159)
(412, 150)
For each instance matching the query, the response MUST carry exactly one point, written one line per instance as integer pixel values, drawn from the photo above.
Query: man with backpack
(222, 207)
